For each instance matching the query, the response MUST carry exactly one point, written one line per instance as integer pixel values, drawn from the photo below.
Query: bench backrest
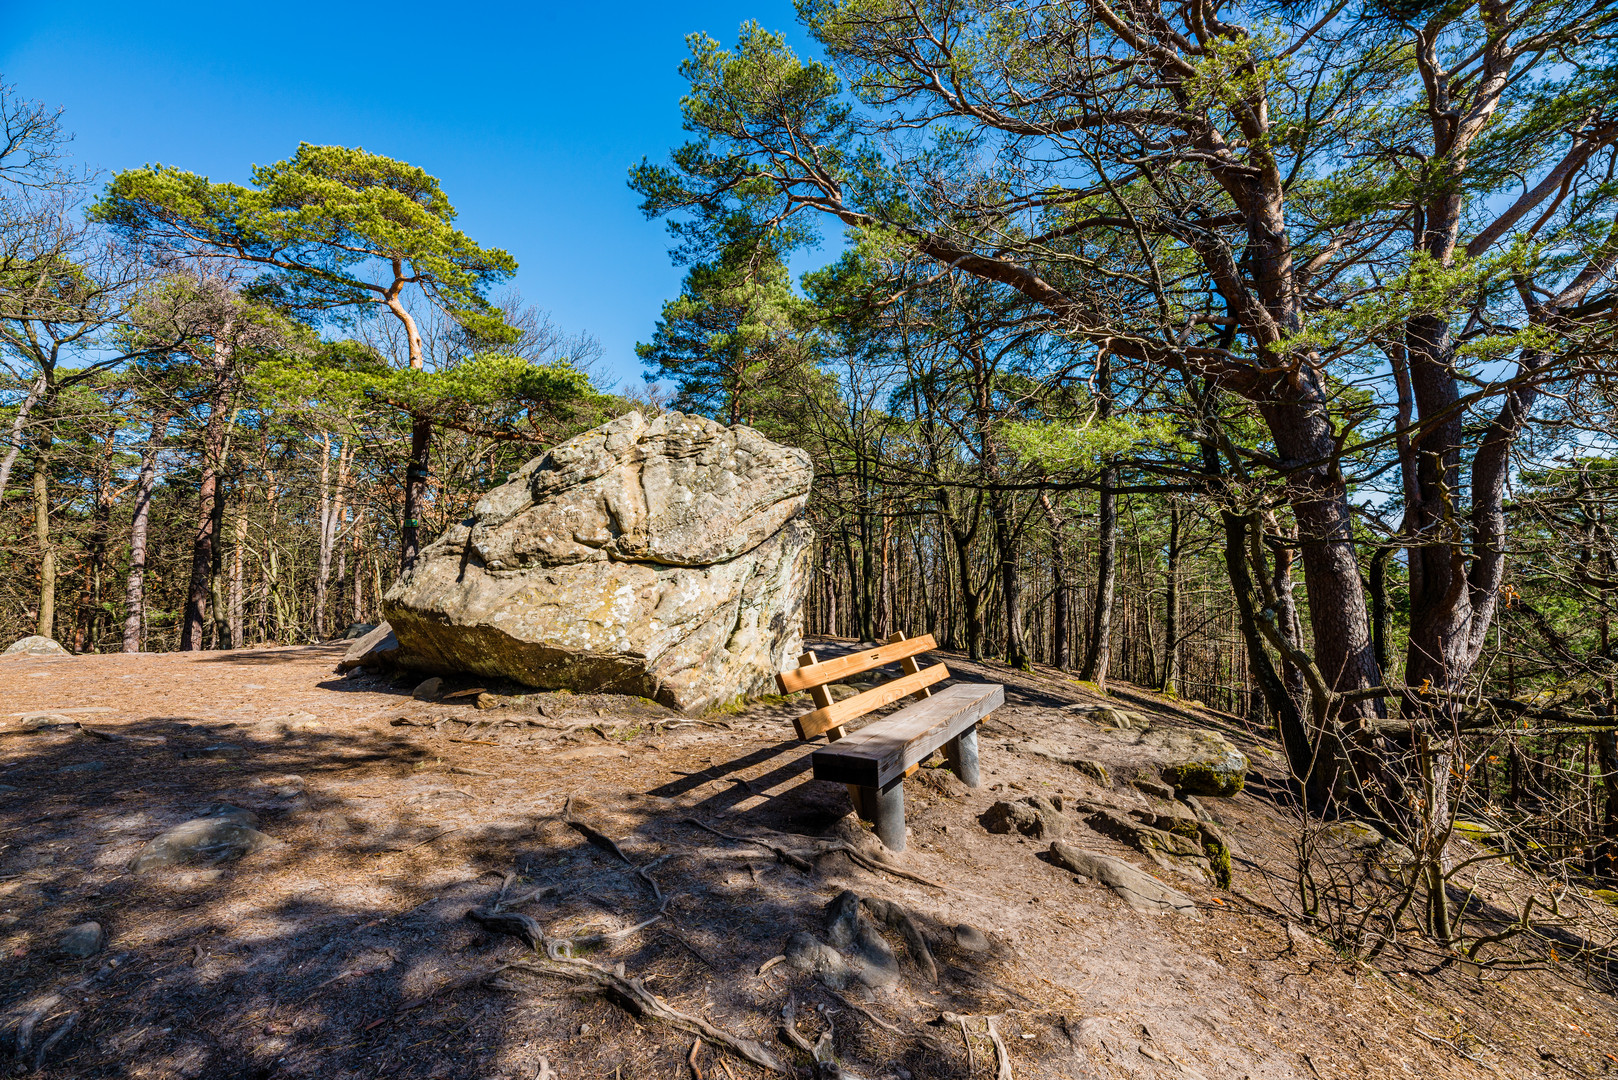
(830, 716)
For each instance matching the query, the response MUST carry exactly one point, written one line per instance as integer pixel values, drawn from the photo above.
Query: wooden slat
(881, 752)
(839, 713)
(843, 666)
(909, 666)
(819, 694)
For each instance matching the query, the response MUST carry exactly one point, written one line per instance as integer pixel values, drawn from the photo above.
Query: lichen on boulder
(1200, 762)
(662, 558)
(36, 645)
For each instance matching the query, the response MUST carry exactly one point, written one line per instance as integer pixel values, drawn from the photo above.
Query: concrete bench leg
(962, 754)
(886, 811)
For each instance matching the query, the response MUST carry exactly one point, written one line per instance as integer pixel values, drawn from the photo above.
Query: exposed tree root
(1002, 1056)
(867, 1013)
(601, 840)
(804, 861)
(632, 995)
(57, 1036)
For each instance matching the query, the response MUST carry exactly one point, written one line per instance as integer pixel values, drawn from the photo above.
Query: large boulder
(660, 557)
(35, 645)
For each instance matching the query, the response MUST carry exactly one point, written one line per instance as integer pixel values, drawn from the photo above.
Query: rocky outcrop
(1200, 762)
(660, 557)
(1139, 890)
(1035, 816)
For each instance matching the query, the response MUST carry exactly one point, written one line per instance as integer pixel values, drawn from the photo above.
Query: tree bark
(87, 617)
(205, 537)
(1171, 606)
(1061, 643)
(238, 555)
(135, 590)
(421, 437)
(1098, 652)
(14, 444)
(332, 498)
(219, 621)
(1011, 583)
(42, 536)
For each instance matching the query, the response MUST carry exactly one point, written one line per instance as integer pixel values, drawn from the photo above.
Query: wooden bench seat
(875, 760)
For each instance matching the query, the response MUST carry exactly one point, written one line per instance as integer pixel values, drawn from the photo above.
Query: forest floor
(343, 949)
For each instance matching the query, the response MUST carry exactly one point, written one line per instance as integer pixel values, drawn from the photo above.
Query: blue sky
(529, 113)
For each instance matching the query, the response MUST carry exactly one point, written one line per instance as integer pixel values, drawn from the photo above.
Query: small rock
(1366, 841)
(300, 721)
(971, 938)
(4, 788)
(1198, 809)
(216, 750)
(1119, 719)
(357, 630)
(226, 835)
(84, 767)
(1355, 835)
(35, 645)
(85, 939)
(428, 689)
(1034, 816)
(1154, 788)
(41, 720)
(376, 649)
(1477, 833)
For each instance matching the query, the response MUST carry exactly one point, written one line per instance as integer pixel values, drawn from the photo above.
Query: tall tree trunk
(331, 520)
(42, 536)
(1316, 783)
(359, 578)
(219, 623)
(135, 590)
(1011, 583)
(1607, 848)
(1286, 609)
(421, 434)
(206, 536)
(421, 437)
(1171, 605)
(14, 443)
(1098, 651)
(1061, 645)
(238, 555)
(323, 558)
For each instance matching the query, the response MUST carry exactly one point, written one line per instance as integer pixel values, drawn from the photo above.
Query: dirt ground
(344, 949)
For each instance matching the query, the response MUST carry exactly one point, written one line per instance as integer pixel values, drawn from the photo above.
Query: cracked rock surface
(659, 557)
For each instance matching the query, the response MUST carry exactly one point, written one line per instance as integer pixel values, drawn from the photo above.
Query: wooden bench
(875, 760)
